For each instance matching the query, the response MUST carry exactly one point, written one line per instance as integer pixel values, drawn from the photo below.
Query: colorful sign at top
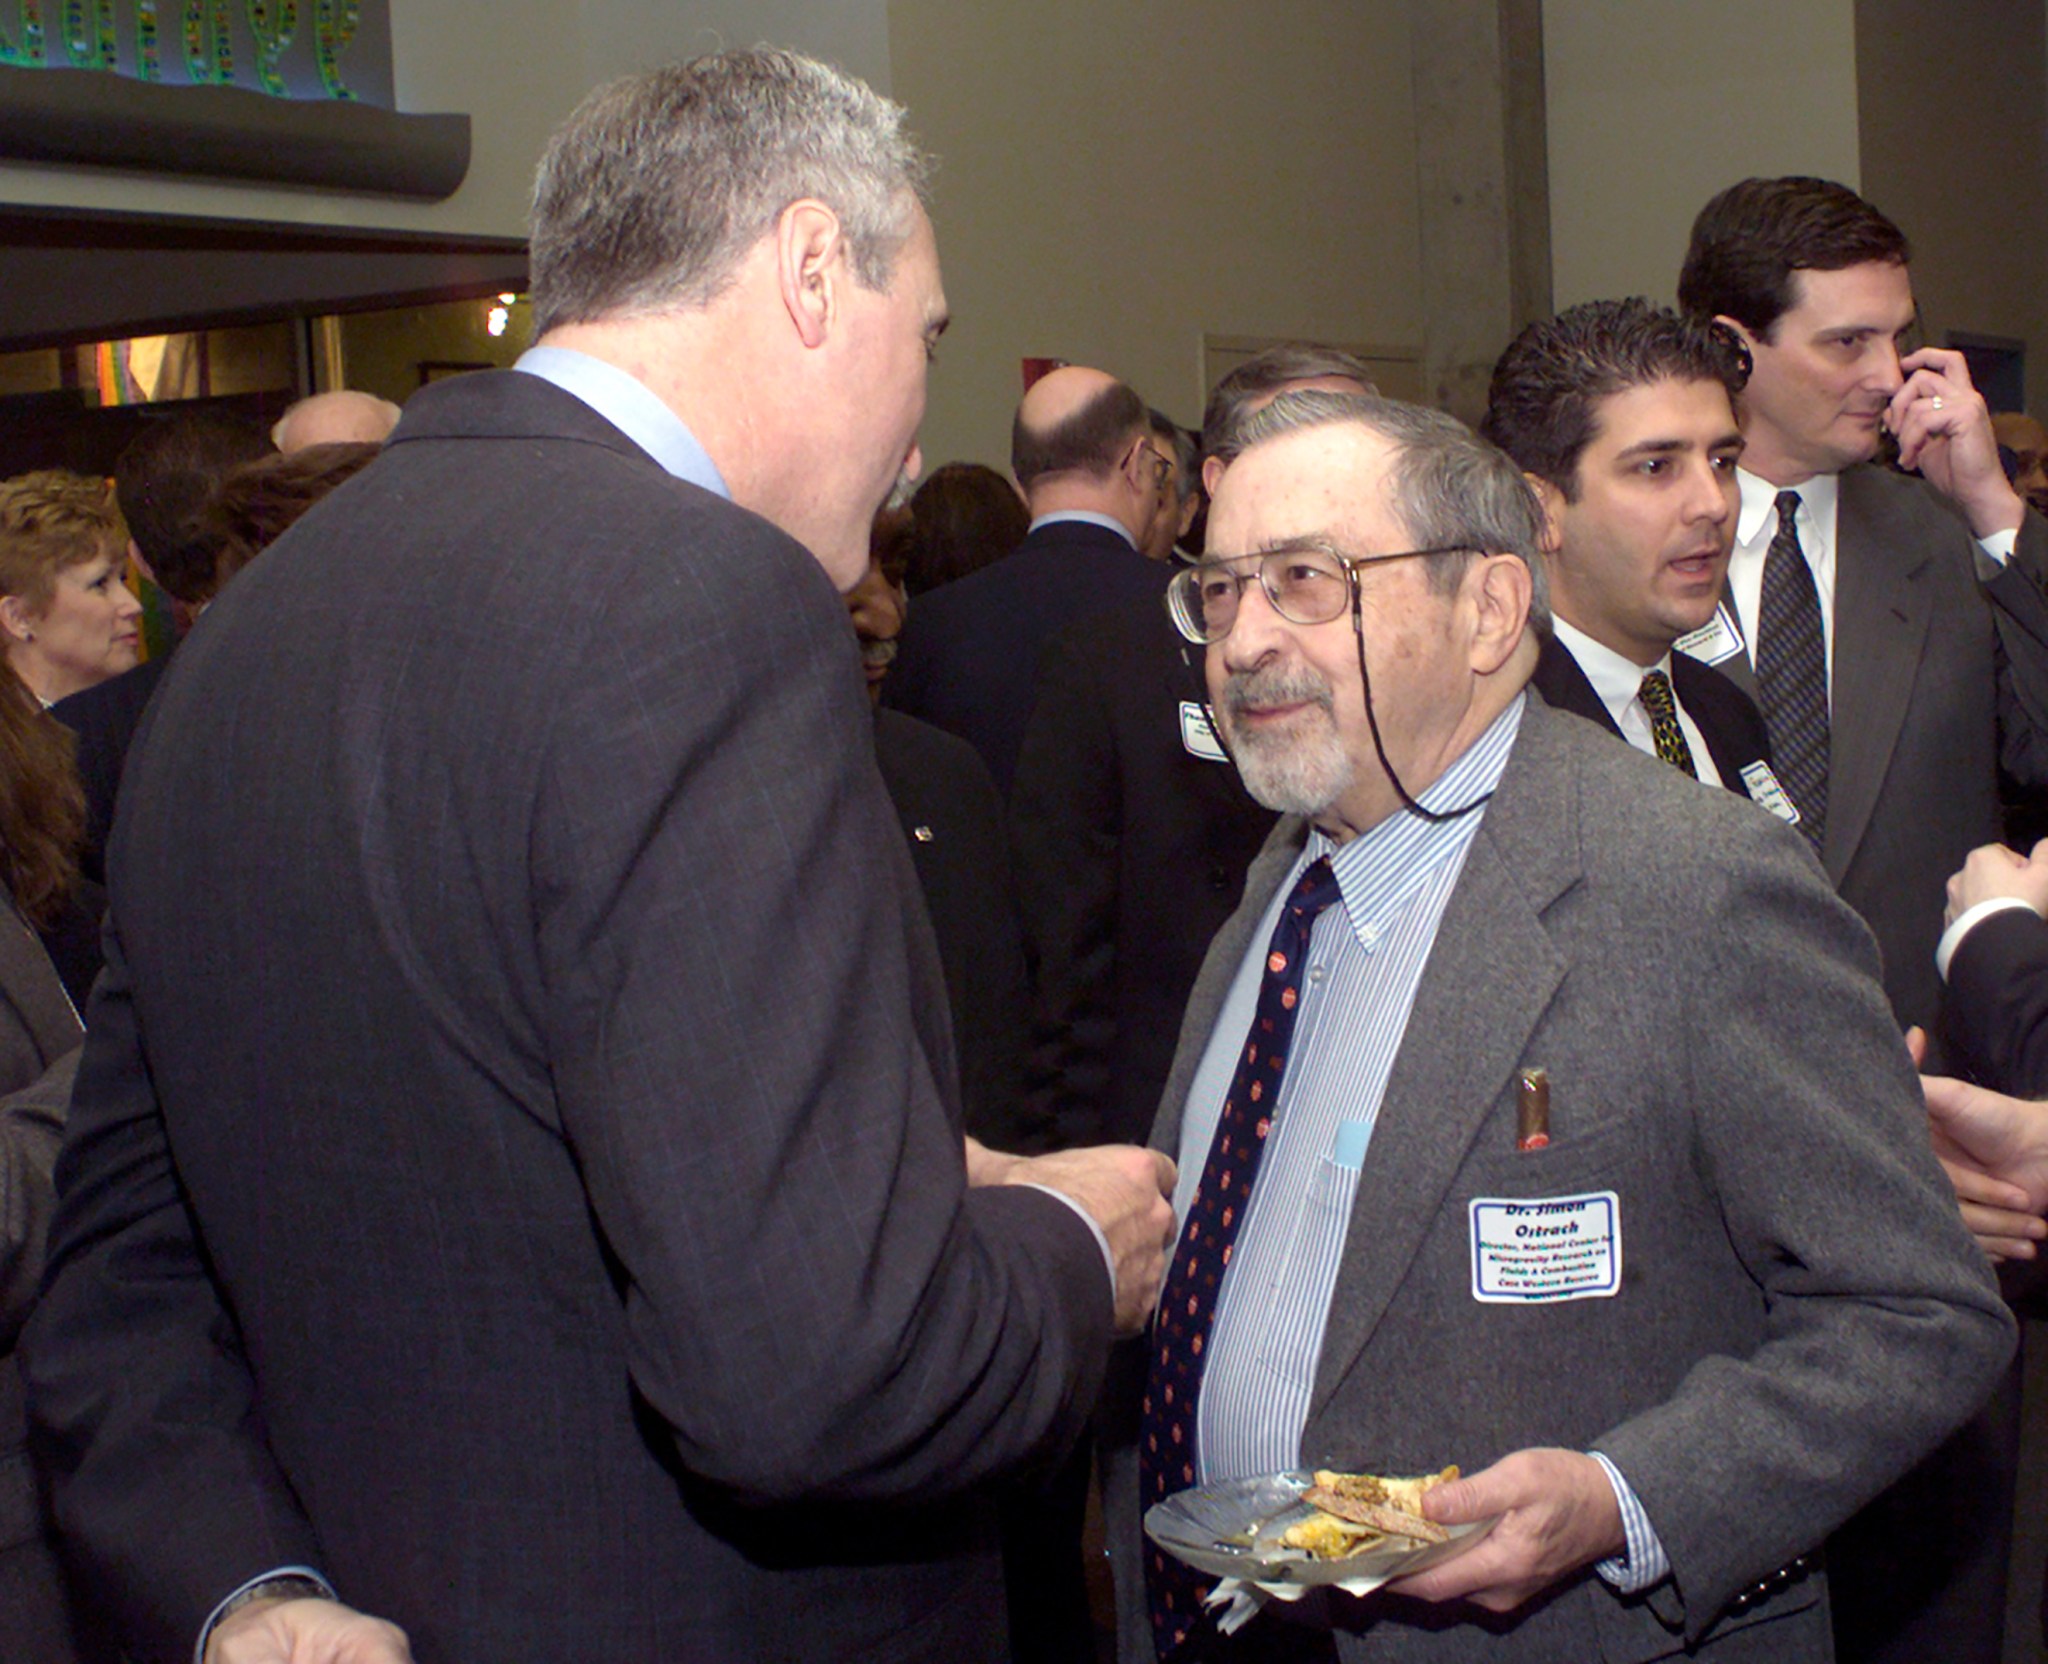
(307, 49)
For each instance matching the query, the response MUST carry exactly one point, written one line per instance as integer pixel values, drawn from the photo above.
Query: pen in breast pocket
(1532, 1110)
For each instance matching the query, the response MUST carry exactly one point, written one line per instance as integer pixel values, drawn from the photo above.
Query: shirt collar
(1616, 678)
(1759, 517)
(632, 407)
(1380, 868)
(1087, 517)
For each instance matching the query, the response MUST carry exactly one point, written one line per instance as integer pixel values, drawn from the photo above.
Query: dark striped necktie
(1792, 673)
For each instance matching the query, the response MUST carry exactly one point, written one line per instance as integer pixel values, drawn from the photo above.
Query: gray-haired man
(1668, 1372)
(516, 1180)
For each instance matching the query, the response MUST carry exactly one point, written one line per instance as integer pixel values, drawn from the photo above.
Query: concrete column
(1482, 183)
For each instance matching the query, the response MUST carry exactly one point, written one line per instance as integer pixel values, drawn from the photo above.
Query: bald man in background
(342, 417)
(1080, 448)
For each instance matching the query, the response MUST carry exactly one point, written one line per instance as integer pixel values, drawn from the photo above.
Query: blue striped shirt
(1365, 963)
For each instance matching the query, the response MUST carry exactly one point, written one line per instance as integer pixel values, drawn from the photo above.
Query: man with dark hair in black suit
(1896, 635)
(516, 1180)
(1081, 450)
(1622, 415)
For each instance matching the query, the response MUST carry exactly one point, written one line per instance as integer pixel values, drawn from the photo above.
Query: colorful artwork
(308, 49)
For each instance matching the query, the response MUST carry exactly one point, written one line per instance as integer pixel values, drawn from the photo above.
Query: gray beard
(1296, 774)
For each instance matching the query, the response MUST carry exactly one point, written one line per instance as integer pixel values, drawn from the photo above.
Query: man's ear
(1499, 588)
(1739, 331)
(1551, 501)
(810, 265)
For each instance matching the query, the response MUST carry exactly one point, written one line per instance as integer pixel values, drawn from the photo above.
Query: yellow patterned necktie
(1655, 694)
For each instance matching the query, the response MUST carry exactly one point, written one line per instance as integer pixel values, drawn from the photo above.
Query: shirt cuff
(1998, 548)
(1967, 921)
(1643, 1563)
(235, 1594)
(1088, 1219)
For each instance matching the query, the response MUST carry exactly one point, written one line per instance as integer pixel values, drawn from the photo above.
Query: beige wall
(1118, 181)
(1654, 105)
(1975, 205)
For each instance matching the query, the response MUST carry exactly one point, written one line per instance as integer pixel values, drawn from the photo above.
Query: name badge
(1565, 1248)
(1197, 734)
(1766, 793)
(1718, 639)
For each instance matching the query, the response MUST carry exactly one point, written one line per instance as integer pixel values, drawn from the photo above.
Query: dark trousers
(1919, 1576)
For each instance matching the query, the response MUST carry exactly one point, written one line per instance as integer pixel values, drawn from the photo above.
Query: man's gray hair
(654, 190)
(1449, 487)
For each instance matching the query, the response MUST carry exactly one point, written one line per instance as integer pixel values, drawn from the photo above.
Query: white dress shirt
(1618, 680)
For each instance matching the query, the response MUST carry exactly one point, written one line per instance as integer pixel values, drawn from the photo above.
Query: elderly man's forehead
(1322, 481)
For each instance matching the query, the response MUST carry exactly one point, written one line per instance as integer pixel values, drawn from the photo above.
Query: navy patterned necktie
(1665, 733)
(1187, 1303)
(1792, 673)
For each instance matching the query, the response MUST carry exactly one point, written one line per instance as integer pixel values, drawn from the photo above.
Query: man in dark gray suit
(1932, 636)
(1485, 1105)
(1894, 632)
(516, 1181)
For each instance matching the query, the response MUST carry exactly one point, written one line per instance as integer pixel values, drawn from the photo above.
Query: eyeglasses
(1305, 586)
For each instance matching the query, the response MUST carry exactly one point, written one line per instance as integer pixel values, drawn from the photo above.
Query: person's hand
(1993, 871)
(2003, 1229)
(299, 1631)
(1558, 1513)
(1128, 1192)
(2000, 1139)
(1944, 431)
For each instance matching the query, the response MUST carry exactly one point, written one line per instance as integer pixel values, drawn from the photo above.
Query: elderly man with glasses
(1486, 1106)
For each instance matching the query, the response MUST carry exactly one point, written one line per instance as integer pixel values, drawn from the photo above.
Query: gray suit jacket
(516, 1163)
(1801, 1314)
(1939, 677)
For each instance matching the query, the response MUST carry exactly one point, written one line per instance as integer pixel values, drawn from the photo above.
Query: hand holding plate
(1558, 1513)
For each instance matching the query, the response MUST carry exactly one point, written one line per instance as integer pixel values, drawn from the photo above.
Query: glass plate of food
(1302, 1530)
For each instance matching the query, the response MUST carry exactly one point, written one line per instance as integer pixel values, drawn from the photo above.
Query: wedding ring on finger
(1937, 401)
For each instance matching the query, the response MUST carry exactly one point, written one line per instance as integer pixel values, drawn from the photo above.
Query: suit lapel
(1563, 682)
(1716, 708)
(1882, 611)
(1491, 974)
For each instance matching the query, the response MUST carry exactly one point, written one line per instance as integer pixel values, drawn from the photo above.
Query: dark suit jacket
(1726, 717)
(39, 1037)
(103, 719)
(1939, 678)
(517, 1153)
(1131, 852)
(1998, 1003)
(1816, 1338)
(953, 822)
(969, 658)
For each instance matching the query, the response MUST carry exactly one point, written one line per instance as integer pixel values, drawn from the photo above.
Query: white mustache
(880, 654)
